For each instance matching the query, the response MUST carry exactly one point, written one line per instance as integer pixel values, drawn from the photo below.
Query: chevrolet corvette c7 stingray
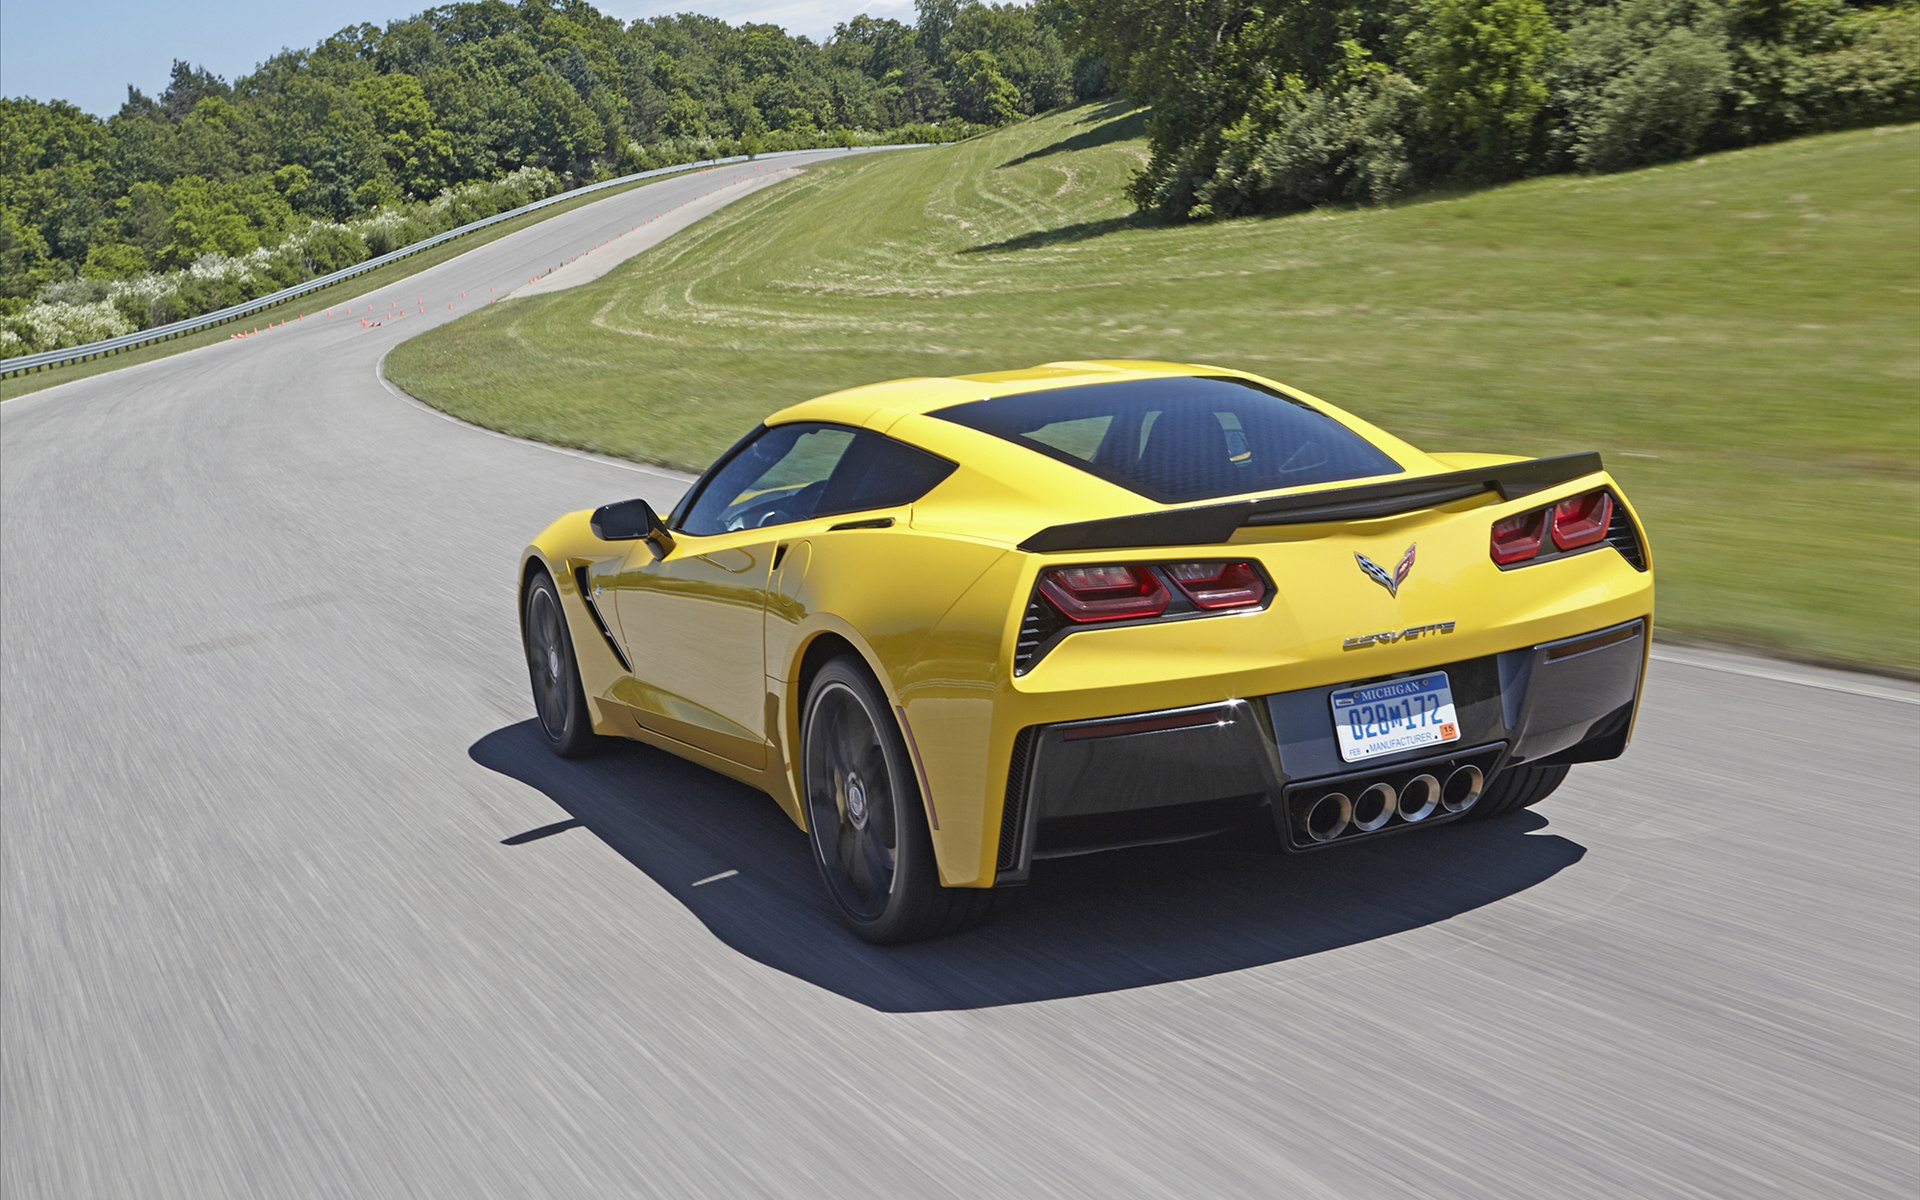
(956, 627)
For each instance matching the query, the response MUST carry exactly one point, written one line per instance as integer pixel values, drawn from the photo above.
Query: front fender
(564, 550)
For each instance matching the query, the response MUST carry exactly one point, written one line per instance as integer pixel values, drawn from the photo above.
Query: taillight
(1581, 521)
(1218, 585)
(1105, 593)
(1517, 538)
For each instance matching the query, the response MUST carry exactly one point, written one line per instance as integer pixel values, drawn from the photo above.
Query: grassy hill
(1739, 335)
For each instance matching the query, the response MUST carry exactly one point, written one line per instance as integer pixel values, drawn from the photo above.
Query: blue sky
(88, 51)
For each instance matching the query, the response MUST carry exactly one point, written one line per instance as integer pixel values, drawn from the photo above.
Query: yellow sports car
(957, 626)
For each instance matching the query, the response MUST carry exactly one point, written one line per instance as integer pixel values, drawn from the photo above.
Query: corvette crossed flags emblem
(1379, 575)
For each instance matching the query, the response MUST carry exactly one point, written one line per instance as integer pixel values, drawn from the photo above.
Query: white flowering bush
(43, 326)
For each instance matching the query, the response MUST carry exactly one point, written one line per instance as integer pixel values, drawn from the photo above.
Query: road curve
(294, 904)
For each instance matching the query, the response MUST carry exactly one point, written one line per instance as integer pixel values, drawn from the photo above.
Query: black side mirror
(628, 520)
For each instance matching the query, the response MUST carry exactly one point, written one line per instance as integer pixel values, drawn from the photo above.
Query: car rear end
(1348, 660)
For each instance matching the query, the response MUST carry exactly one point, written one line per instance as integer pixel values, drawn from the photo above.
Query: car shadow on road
(1085, 925)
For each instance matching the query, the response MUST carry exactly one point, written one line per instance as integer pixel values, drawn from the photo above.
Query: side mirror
(630, 520)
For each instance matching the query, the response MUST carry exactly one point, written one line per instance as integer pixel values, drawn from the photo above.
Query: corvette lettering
(1396, 635)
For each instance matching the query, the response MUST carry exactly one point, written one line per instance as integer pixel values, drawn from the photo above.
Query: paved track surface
(296, 905)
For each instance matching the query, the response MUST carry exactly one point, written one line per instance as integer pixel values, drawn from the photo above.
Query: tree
(981, 93)
(1483, 65)
(187, 86)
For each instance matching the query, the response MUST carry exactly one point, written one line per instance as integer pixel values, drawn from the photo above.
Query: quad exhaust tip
(1328, 817)
(1419, 798)
(1333, 814)
(1463, 788)
(1374, 808)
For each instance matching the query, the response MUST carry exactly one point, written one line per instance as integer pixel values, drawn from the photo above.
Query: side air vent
(1037, 627)
(593, 610)
(1621, 537)
(1013, 816)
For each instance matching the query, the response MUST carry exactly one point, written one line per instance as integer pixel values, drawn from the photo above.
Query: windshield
(1181, 439)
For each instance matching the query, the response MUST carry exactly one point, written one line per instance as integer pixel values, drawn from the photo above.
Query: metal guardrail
(159, 333)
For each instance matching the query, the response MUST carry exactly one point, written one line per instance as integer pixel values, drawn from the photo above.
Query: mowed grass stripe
(1738, 334)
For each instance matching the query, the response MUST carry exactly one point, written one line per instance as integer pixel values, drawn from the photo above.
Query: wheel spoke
(851, 743)
(879, 860)
(860, 871)
(846, 844)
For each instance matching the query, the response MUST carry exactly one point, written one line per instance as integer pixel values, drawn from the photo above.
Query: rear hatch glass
(1181, 439)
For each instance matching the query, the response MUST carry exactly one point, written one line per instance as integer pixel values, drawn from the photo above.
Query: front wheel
(865, 818)
(557, 698)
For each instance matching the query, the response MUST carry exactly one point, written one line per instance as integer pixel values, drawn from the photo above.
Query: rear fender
(906, 603)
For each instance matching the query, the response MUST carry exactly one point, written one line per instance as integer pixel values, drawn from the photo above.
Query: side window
(879, 472)
(778, 477)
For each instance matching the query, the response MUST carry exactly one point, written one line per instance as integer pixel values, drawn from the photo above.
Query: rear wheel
(1516, 788)
(865, 818)
(557, 698)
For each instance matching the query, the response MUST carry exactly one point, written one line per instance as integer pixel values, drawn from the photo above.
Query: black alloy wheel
(557, 698)
(865, 816)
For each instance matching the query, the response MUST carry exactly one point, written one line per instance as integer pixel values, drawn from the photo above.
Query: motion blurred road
(296, 904)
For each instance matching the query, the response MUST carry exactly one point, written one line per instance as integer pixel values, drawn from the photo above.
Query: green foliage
(1301, 146)
(375, 120)
(1641, 81)
(1483, 64)
(114, 260)
(982, 94)
(1277, 104)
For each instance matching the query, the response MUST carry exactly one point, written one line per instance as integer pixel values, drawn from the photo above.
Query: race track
(296, 904)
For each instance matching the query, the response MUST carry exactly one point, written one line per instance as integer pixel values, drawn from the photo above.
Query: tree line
(213, 192)
(1270, 105)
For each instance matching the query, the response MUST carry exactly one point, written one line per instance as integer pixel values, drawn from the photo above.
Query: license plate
(1400, 714)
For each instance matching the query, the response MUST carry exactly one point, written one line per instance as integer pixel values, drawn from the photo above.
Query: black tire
(559, 705)
(865, 817)
(1516, 788)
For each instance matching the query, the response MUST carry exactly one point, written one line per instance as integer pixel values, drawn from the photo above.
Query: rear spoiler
(1217, 522)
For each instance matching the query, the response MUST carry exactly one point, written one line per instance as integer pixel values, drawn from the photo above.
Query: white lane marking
(1781, 676)
(380, 373)
(715, 878)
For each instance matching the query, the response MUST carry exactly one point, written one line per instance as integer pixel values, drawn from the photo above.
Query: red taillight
(1104, 593)
(1581, 521)
(1517, 538)
(1217, 585)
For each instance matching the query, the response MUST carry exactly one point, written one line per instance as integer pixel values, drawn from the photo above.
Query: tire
(560, 707)
(1516, 788)
(865, 818)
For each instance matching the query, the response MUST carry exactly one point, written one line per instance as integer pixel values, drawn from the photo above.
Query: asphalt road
(296, 905)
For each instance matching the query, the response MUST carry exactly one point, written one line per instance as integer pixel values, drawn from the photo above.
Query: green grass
(1739, 335)
(313, 302)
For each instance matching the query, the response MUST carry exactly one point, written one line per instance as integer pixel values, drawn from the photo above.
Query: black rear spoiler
(1217, 522)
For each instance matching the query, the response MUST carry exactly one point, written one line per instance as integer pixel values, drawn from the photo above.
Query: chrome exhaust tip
(1374, 808)
(1326, 818)
(1419, 798)
(1463, 788)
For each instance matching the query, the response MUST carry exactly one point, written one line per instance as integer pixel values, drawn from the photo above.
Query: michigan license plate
(1400, 714)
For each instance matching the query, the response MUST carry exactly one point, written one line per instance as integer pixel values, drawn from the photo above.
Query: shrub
(1873, 75)
(1641, 82)
(44, 326)
(1300, 147)
(1483, 66)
